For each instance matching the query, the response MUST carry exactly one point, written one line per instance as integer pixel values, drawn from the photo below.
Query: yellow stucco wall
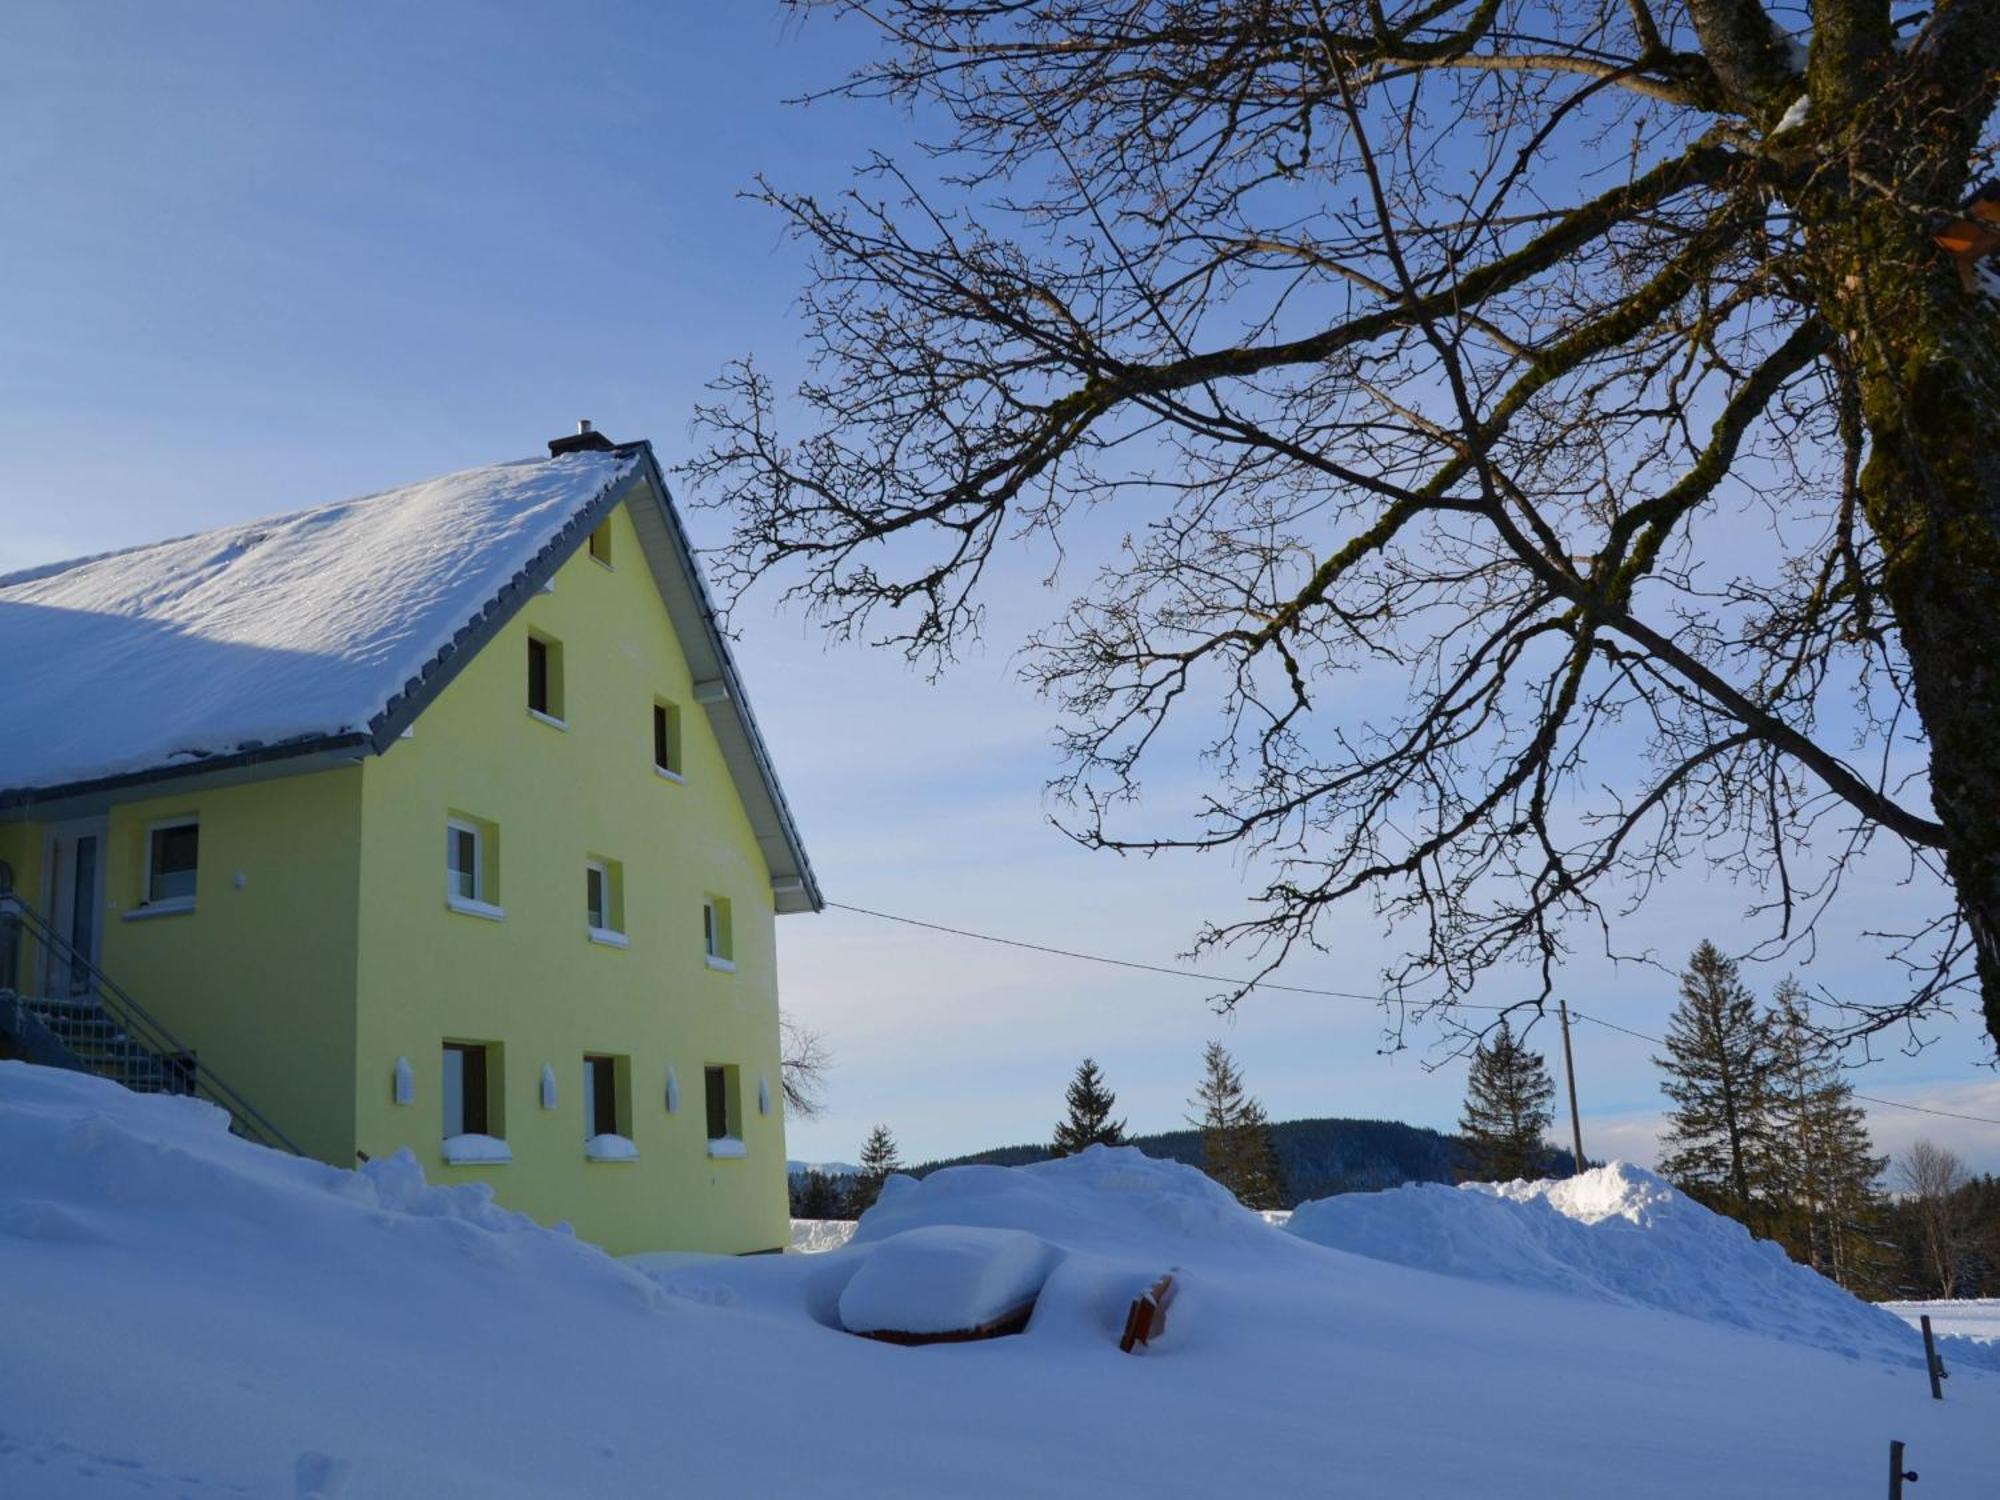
(259, 977)
(534, 982)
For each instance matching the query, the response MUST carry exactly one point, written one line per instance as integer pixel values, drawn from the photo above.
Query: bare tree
(1933, 1176)
(1550, 446)
(804, 1062)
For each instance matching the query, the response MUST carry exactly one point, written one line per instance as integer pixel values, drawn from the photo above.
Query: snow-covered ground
(1964, 1317)
(185, 1314)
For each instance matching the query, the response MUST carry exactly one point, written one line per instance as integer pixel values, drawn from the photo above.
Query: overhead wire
(1300, 989)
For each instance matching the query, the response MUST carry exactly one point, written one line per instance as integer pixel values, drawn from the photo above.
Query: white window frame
(157, 903)
(475, 905)
(602, 932)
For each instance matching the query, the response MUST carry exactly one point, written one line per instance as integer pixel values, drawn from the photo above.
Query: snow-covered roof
(330, 629)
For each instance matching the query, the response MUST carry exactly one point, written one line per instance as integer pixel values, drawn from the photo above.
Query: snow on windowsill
(610, 1148)
(475, 1150)
(609, 937)
(172, 907)
(549, 719)
(665, 775)
(721, 965)
(470, 908)
(727, 1147)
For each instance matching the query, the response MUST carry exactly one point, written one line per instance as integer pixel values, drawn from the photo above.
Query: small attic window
(600, 543)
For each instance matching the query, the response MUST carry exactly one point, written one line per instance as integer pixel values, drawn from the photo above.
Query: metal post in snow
(1897, 1473)
(1569, 1070)
(1932, 1363)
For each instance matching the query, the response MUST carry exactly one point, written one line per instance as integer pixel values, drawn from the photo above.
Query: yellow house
(438, 820)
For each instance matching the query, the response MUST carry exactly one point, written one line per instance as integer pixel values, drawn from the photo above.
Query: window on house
(715, 934)
(171, 855)
(667, 739)
(545, 678)
(604, 900)
(600, 543)
(467, 1099)
(601, 1114)
(471, 862)
(722, 1107)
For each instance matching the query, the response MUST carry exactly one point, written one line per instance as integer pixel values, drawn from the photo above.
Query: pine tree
(1089, 1122)
(1828, 1209)
(879, 1158)
(1236, 1145)
(1508, 1104)
(1717, 1068)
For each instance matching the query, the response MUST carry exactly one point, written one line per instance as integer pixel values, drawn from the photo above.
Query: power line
(1921, 1109)
(1300, 989)
(1127, 963)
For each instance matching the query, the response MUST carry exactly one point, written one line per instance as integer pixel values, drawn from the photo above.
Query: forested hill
(1319, 1157)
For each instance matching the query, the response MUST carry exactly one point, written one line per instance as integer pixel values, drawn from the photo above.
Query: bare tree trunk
(1924, 358)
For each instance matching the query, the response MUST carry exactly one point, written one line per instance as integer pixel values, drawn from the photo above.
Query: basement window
(724, 1096)
(545, 680)
(474, 1128)
(607, 1116)
(172, 852)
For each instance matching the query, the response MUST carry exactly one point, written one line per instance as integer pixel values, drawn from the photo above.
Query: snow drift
(1613, 1234)
(187, 1314)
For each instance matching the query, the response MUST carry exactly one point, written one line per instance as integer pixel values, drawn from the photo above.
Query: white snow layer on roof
(282, 630)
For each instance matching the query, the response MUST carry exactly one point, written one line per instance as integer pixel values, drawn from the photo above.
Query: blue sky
(260, 256)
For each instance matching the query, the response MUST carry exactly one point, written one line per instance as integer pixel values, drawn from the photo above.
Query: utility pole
(1569, 1070)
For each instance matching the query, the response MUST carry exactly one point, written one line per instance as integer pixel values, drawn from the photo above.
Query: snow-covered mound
(1613, 1234)
(945, 1278)
(185, 1314)
(1103, 1197)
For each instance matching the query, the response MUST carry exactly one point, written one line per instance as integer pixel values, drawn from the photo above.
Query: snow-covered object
(945, 1279)
(1796, 115)
(727, 1146)
(286, 630)
(610, 1148)
(1102, 1196)
(548, 1086)
(817, 1236)
(1613, 1234)
(403, 1084)
(470, 1150)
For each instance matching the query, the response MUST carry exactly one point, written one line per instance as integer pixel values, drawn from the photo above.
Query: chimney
(587, 439)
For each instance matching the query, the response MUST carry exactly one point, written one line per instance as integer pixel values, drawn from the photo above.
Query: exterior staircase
(98, 1028)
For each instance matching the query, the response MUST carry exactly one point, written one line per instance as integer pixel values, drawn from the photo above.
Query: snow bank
(1613, 1234)
(280, 630)
(187, 1314)
(945, 1279)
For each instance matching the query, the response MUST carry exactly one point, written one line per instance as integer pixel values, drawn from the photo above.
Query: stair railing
(141, 1027)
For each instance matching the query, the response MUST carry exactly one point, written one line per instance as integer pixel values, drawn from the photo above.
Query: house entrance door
(73, 898)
